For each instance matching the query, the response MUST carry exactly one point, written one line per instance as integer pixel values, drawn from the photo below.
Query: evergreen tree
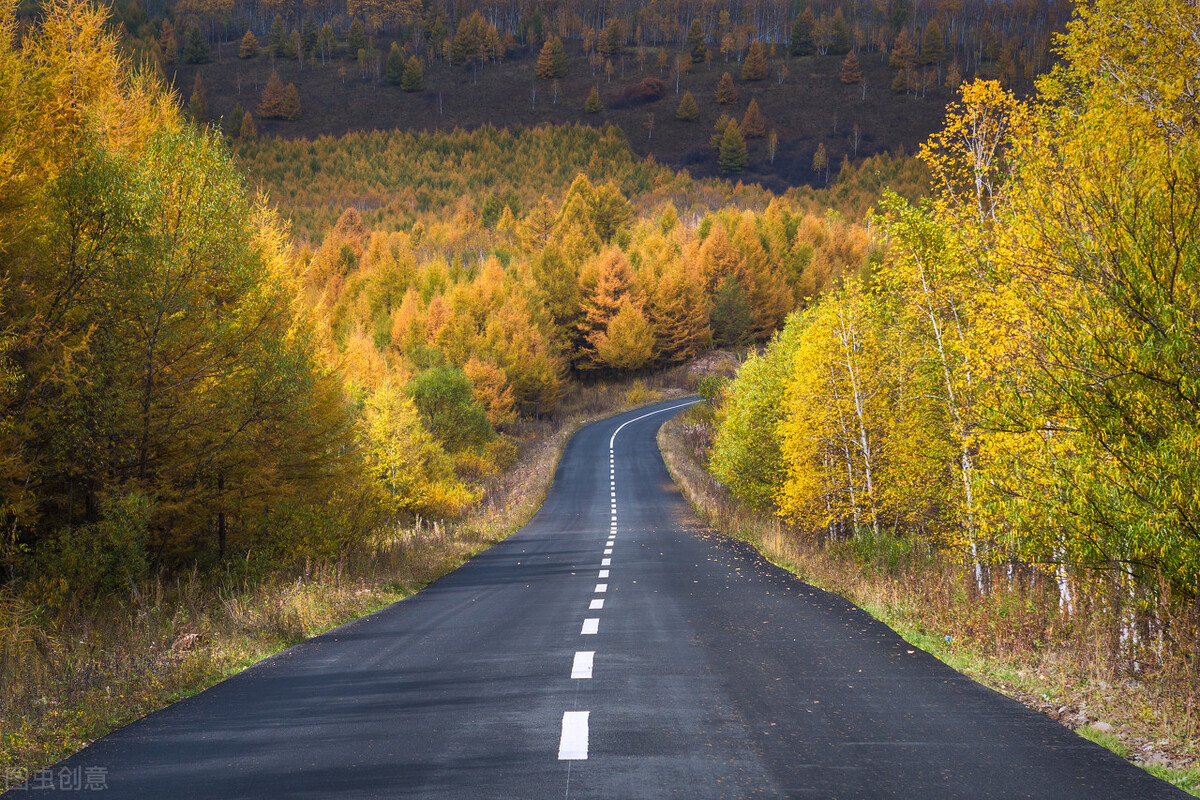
(688, 110)
(394, 69)
(696, 44)
(851, 71)
(356, 39)
(277, 37)
(933, 45)
(733, 156)
(802, 33)
(249, 46)
(840, 42)
(413, 79)
(726, 92)
(730, 318)
(753, 126)
(196, 49)
(754, 68)
(593, 105)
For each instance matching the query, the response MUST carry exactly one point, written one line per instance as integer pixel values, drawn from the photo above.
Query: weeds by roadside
(1012, 641)
(67, 681)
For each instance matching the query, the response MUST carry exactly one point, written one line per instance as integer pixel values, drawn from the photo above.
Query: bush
(644, 91)
(443, 396)
(89, 562)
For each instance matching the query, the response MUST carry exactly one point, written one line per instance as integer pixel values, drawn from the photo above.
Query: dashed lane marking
(582, 666)
(573, 744)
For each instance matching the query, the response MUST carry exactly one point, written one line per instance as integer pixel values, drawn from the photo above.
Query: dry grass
(67, 681)
(1013, 639)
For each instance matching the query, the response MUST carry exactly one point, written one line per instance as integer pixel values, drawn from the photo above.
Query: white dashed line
(591, 626)
(601, 588)
(582, 667)
(603, 574)
(596, 604)
(573, 746)
(608, 551)
(606, 562)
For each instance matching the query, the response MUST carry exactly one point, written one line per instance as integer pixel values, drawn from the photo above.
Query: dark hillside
(810, 107)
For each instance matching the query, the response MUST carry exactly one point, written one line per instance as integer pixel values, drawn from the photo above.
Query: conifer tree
(851, 71)
(198, 103)
(277, 37)
(248, 132)
(688, 110)
(552, 60)
(249, 46)
(933, 45)
(394, 69)
(726, 93)
(697, 47)
(196, 49)
(840, 41)
(413, 79)
(753, 126)
(754, 68)
(732, 156)
(802, 33)
(168, 42)
(593, 105)
(271, 104)
(291, 103)
(356, 39)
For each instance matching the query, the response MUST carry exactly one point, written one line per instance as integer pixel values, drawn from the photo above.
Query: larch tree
(851, 70)
(249, 46)
(688, 110)
(726, 91)
(755, 68)
(754, 125)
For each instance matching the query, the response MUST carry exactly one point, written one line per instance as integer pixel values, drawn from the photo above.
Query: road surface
(612, 648)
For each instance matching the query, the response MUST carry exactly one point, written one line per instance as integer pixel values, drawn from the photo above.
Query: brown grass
(66, 682)
(1013, 639)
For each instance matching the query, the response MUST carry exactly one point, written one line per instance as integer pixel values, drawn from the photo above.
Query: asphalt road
(710, 674)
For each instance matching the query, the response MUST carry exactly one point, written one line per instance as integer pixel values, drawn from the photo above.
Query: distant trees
(249, 46)
(754, 68)
(413, 79)
(688, 110)
(277, 101)
(552, 60)
(754, 125)
(732, 155)
(851, 71)
(593, 105)
(726, 92)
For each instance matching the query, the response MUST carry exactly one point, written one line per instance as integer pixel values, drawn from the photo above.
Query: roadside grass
(1014, 641)
(66, 682)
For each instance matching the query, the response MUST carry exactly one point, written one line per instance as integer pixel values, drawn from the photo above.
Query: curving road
(613, 648)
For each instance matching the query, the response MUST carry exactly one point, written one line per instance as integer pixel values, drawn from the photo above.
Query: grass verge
(1011, 642)
(67, 682)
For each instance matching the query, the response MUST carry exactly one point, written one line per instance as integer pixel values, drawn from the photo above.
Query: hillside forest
(809, 84)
